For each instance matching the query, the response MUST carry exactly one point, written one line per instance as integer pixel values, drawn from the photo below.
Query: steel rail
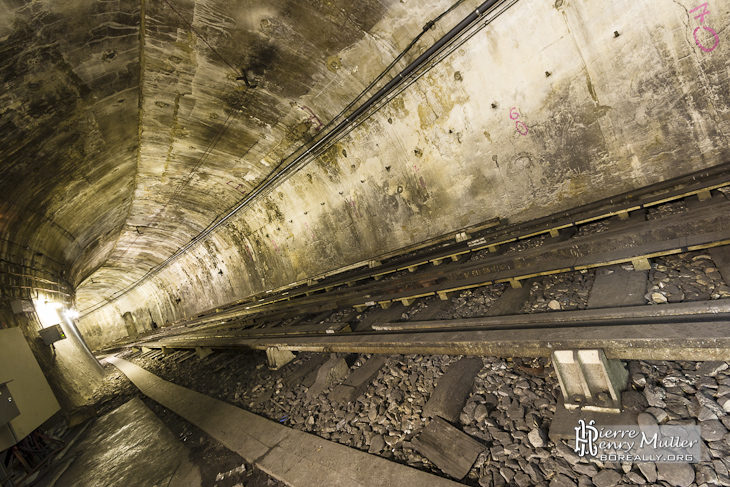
(690, 339)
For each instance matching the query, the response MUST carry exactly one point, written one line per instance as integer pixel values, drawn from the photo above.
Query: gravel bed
(667, 209)
(528, 243)
(690, 276)
(480, 255)
(592, 228)
(663, 392)
(339, 315)
(510, 410)
(395, 275)
(114, 391)
(418, 307)
(566, 291)
(472, 303)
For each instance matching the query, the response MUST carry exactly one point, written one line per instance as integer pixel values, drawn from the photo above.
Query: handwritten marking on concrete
(313, 118)
(701, 17)
(514, 115)
(310, 230)
(237, 188)
(420, 178)
(353, 206)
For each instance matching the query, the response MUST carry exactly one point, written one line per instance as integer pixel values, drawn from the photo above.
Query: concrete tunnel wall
(599, 114)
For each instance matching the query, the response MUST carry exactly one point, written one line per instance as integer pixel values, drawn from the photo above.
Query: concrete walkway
(292, 456)
(117, 449)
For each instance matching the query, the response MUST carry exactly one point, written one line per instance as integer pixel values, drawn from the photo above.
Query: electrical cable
(429, 25)
(445, 53)
(435, 49)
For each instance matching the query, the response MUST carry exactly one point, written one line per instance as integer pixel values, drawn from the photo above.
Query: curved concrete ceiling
(128, 131)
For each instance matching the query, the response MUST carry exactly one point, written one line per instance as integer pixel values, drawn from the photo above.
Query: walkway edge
(297, 458)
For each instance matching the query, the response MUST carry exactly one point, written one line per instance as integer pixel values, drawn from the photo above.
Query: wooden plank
(184, 358)
(330, 373)
(615, 287)
(173, 355)
(356, 383)
(451, 450)
(452, 389)
(432, 310)
(511, 300)
(721, 257)
(305, 369)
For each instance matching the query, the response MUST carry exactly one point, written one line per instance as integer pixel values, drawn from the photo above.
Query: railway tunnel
(286, 219)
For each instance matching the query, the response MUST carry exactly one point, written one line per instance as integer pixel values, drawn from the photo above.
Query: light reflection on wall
(48, 311)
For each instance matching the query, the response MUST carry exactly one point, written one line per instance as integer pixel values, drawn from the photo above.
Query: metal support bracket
(589, 380)
(276, 358)
(202, 352)
(462, 237)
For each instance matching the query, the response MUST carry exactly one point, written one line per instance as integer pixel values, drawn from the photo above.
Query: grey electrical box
(22, 306)
(52, 334)
(8, 408)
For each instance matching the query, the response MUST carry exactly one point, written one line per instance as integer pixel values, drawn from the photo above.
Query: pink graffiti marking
(514, 115)
(310, 230)
(354, 208)
(423, 183)
(697, 41)
(701, 17)
(237, 188)
(704, 12)
(313, 117)
(517, 126)
(275, 246)
(249, 252)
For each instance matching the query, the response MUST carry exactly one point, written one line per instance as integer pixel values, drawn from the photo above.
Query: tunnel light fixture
(71, 314)
(47, 312)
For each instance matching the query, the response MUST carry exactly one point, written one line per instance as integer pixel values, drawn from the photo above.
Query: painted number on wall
(420, 178)
(353, 206)
(237, 188)
(311, 231)
(701, 17)
(519, 125)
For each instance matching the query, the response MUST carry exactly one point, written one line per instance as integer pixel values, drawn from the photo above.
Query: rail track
(360, 310)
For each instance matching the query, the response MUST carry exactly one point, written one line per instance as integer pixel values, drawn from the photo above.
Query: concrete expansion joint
(257, 462)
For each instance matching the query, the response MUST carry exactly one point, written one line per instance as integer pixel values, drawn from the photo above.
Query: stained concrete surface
(112, 113)
(601, 113)
(217, 465)
(128, 447)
